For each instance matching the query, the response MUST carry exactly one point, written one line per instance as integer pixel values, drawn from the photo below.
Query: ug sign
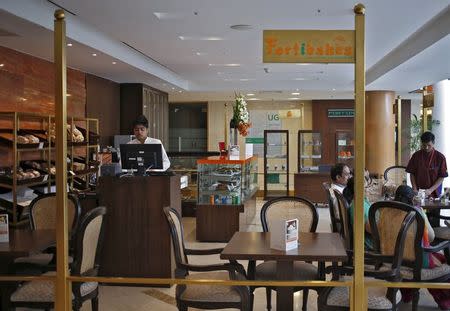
(308, 46)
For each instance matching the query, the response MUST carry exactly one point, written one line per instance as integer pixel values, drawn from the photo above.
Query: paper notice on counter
(4, 228)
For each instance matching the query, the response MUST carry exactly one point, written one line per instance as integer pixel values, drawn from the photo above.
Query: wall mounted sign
(308, 46)
(341, 113)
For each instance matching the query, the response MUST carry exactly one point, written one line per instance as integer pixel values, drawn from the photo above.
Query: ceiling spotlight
(69, 44)
(293, 98)
(93, 54)
(114, 63)
(173, 88)
(333, 89)
(295, 93)
(1, 65)
(241, 27)
(250, 94)
(200, 53)
(224, 65)
(180, 91)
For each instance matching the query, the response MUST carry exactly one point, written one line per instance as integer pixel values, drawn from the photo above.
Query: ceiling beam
(431, 32)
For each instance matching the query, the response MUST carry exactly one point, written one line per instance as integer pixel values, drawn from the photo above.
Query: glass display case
(309, 151)
(222, 181)
(185, 163)
(276, 163)
(345, 147)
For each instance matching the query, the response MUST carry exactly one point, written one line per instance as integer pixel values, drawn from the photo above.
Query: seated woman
(349, 194)
(405, 194)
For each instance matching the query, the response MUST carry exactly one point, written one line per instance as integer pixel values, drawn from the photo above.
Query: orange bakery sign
(308, 46)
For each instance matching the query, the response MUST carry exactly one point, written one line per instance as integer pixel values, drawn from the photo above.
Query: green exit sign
(341, 113)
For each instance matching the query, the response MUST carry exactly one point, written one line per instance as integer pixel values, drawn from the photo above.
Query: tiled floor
(122, 298)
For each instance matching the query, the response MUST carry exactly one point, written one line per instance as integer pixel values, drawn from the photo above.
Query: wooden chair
(395, 174)
(43, 216)
(201, 296)
(385, 217)
(346, 224)
(286, 208)
(88, 240)
(333, 208)
(337, 298)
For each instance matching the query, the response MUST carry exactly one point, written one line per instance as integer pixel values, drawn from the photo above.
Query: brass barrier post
(399, 130)
(63, 297)
(359, 301)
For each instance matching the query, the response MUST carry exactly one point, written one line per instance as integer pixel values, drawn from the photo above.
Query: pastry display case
(226, 181)
(276, 163)
(345, 147)
(226, 197)
(309, 151)
(185, 164)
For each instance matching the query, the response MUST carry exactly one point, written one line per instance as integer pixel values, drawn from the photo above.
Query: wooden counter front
(137, 241)
(225, 160)
(309, 185)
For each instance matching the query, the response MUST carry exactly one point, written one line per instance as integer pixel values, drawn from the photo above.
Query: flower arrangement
(241, 117)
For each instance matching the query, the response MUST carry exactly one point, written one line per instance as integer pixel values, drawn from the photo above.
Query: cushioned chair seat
(426, 274)
(339, 296)
(216, 293)
(302, 271)
(442, 233)
(43, 291)
(41, 259)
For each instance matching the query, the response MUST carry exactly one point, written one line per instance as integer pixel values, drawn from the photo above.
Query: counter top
(226, 160)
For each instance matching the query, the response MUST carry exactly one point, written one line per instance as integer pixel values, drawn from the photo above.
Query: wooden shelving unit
(13, 124)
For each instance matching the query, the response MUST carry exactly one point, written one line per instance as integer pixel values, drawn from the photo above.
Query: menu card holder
(284, 234)
(4, 229)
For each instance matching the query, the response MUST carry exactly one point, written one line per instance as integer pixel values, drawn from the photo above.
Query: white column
(441, 112)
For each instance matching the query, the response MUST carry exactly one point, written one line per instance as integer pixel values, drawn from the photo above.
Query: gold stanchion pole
(359, 294)
(399, 130)
(63, 299)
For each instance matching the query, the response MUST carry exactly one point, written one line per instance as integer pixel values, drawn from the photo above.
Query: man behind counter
(140, 129)
(427, 167)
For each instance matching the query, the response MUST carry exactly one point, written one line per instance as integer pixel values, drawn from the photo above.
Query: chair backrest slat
(176, 233)
(43, 212)
(344, 216)
(387, 219)
(290, 208)
(395, 174)
(333, 208)
(89, 237)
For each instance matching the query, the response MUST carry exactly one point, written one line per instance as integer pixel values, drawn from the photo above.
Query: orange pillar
(380, 131)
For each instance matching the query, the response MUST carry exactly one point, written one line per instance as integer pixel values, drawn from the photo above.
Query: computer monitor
(140, 157)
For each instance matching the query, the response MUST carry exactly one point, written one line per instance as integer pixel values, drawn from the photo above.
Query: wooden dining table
(22, 243)
(321, 246)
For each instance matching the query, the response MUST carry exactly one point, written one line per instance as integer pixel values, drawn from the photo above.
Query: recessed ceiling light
(295, 93)
(293, 98)
(241, 27)
(93, 54)
(253, 98)
(299, 79)
(333, 89)
(200, 53)
(1, 65)
(303, 64)
(114, 63)
(180, 91)
(224, 65)
(173, 88)
(69, 44)
(165, 15)
(250, 94)
(200, 38)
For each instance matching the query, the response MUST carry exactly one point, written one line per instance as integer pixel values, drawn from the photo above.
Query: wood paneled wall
(103, 103)
(329, 126)
(27, 83)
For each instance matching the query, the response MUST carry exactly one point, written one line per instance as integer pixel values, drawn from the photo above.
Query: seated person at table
(405, 194)
(349, 194)
(140, 130)
(340, 173)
